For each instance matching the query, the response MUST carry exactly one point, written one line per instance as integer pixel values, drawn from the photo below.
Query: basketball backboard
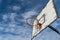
(45, 17)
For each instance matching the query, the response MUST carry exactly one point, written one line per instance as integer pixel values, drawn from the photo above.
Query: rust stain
(40, 25)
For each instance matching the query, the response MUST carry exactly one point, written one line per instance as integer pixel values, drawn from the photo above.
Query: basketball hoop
(28, 22)
(38, 24)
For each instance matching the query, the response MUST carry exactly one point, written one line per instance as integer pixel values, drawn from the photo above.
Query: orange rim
(31, 24)
(38, 24)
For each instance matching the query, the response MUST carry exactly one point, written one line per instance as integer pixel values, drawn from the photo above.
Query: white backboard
(46, 17)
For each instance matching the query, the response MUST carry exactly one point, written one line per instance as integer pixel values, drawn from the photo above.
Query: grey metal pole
(54, 29)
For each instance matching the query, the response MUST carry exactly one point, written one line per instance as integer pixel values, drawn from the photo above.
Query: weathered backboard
(46, 17)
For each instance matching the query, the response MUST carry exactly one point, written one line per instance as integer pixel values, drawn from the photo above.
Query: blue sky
(13, 24)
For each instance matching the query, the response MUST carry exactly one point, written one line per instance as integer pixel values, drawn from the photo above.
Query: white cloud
(12, 26)
(23, 34)
(12, 16)
(1, 28)
(10, 37)
(5, 17)
(16, 8)
(29, 14)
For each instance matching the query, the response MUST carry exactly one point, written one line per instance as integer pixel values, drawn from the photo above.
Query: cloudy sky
(13, 14)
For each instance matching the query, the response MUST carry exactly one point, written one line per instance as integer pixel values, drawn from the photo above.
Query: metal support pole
(54, 29)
